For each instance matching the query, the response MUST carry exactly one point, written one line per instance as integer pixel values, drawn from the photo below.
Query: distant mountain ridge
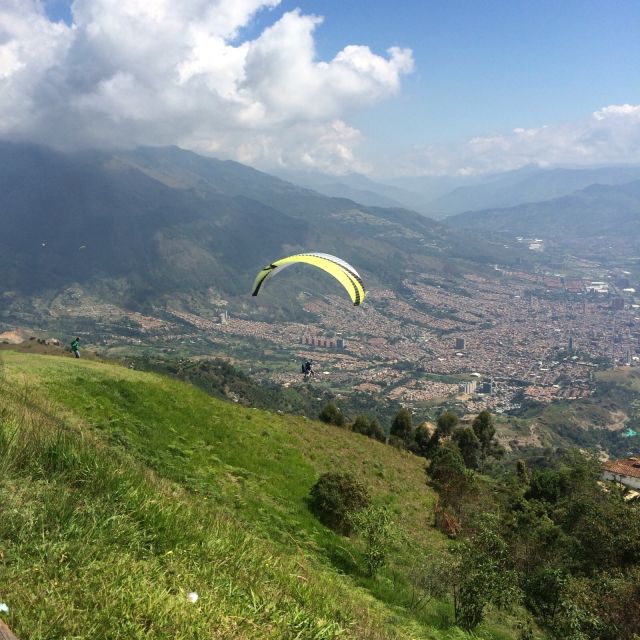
(359, 188)
(441, 196)
(596, 210)
(530, 184)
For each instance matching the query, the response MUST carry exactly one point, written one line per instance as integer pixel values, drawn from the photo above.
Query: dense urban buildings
(487, 341)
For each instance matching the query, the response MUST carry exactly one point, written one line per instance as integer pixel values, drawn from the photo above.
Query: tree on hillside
(360, 425)
(421, 439)
(546, 484)
(447, 422)
(376, 431)
(469, 446)
(402, 425)
(577, 547)
(484, 576)
(543, 591)
(447, 466)
(433, 445)
(332, 415)
(604, 608)
(535, 540)
(484, 428)
(431, 577)
(368, 427)
(375, 525)
(454, 483)
(522, 472)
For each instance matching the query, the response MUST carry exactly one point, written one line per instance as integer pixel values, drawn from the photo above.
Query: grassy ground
(122, 491)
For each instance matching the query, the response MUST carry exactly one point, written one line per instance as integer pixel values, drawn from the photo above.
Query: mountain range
(529, 184)
(136, 226)
(157, 221)
(441, 196)
(597, 210)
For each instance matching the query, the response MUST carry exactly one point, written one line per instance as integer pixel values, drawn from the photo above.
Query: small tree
(335, 498)
(361, 425)
(332, 415)
(447, 466)
(376, 527)
(433, 445)
(402, 425)
(431, 579)
(368, 427)
(454, 483)
(469, 446)
(543, 591)
(376, 431)
(484, 576)
(522, 472)
(447, 422)
(421, 439)
(485, 429)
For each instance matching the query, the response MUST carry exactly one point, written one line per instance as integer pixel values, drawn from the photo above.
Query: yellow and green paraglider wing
(339, 269)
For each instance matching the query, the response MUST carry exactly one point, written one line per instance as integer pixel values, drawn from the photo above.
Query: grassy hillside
(122, 491)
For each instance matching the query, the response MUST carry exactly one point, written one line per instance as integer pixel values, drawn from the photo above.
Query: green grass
(121, 491)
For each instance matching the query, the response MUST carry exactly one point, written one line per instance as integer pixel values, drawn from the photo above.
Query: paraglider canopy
(342, 271)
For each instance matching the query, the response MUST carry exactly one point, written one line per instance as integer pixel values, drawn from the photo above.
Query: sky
(409, 87)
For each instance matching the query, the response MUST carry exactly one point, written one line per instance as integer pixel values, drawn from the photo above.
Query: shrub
(375, 526)
(367, 427)
(332, 415)
(335, 497)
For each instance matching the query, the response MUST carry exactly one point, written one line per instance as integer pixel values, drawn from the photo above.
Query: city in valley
(484, 341)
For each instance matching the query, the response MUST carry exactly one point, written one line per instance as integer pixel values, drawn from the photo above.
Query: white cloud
(30, 46)
(166, 72)
(610, 135)
(618, 110)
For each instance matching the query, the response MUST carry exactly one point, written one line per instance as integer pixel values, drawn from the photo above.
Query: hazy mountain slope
(128, 490)
(363, 196)
(530, 184)
(352, 186)
(441, 196)
(596, 210)
(429, 189)
(165, 220)
(67, 220)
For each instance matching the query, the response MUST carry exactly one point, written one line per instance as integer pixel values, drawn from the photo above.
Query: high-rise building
(617, 304)
(486, 387)
(468, 387)
(322, 341)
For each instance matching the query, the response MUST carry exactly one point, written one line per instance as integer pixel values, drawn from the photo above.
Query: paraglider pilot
(75, 347)
(306, 368)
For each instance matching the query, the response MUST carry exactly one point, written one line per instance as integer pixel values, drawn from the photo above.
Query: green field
(122, 491)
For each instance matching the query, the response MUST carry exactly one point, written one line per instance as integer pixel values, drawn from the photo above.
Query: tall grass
(93, 546)
(121, 492)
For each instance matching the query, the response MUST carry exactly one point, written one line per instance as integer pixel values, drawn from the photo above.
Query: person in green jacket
(75, 347)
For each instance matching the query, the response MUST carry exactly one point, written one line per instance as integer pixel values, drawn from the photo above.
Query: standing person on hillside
(307, 370)
(75, 347)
